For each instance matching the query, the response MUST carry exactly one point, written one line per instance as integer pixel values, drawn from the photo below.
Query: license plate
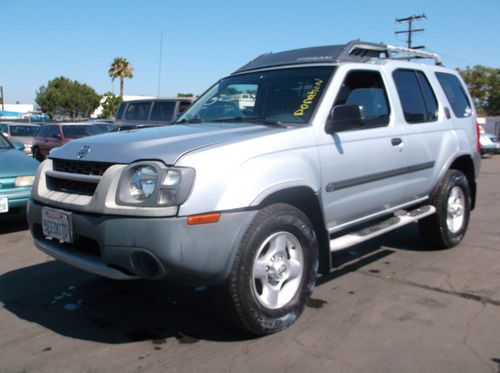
(4, 204)
(57, 224)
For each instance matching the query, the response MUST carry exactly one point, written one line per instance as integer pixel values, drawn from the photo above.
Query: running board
(399, 219)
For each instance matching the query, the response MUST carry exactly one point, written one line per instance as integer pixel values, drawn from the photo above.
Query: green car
(17, 171)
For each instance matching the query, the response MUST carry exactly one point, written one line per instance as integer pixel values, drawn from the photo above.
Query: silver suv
(293, 156)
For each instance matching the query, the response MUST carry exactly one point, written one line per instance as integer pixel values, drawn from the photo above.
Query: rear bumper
(123, 247)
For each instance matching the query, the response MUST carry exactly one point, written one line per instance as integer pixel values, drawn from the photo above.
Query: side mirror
(18, 145)
(344, 118)
(56, 136)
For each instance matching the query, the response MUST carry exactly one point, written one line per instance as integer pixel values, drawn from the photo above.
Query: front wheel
(38, 155)
(447, 227)
(274, 271)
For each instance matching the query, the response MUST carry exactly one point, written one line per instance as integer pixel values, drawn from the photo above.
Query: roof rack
(413, 53)
(354, 51)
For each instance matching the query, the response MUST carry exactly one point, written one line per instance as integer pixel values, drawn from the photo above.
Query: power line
(411, 30)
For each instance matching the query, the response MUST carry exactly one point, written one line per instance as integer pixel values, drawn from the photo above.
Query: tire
(447, 227)
(37, 155)
(263, 295)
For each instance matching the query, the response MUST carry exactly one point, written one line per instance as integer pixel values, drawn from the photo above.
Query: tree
(184, 95)
(62, 96)
(120, 68)
(109, 103)
(484, 86)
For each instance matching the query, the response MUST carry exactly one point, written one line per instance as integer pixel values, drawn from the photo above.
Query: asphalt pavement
(388, 305)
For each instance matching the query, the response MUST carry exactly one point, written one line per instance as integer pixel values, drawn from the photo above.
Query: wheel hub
(455, 209)
(277, 270)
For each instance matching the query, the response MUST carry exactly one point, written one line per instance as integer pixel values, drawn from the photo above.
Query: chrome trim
(76, 177)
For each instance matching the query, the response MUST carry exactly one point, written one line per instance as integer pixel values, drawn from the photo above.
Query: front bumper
(114, 246)
(17, 198)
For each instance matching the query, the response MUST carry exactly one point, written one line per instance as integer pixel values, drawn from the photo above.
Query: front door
(363, 169)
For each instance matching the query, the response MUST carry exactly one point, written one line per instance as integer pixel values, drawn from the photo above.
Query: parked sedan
(55, 135)
(20, 132)
(17, 172)
(489, 144)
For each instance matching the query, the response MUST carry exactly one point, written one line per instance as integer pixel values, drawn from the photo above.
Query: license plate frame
(4, 205)
(57, 224)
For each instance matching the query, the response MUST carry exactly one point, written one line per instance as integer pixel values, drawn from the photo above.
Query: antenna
(159, 64)
(411, 30)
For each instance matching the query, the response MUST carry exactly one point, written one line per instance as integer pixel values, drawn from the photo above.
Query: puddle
(159, 341)
(316, 303)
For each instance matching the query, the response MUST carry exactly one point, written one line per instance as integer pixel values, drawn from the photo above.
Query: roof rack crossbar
(414, 53)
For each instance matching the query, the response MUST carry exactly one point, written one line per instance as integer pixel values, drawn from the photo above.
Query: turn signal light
(203, 219)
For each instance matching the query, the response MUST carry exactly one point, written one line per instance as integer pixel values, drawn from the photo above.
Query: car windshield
(74, 131)
(4, 144)
(284, 96)
(27, 131)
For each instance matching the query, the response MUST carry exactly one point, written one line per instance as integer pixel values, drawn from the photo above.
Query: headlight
(22, 181)
(152, 184)
(143, 183)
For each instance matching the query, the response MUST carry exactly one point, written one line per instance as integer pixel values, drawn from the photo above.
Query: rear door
(428, 139)
(53, 140)
(363, 169)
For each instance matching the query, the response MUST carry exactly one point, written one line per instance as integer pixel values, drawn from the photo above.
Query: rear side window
(137, 110)
(23, 131)
(121, 109)
(183, 106)
(366, 90)
(416, 95)
(163, 111)
(455, 93)
(54, 131)
(43, 131)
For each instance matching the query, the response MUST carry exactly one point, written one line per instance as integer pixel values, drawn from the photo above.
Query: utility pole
(1, 96)
(411, 30)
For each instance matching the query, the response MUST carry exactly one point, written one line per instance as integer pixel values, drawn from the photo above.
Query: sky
(204, 41)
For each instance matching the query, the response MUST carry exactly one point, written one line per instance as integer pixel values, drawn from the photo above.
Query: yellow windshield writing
(311, 95)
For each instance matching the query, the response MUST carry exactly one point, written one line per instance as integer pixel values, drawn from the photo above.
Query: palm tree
(120, 68)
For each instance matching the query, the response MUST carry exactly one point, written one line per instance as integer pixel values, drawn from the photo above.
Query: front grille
(71, 186)
(79, 167)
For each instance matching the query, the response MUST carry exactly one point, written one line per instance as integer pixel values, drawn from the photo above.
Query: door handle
(396, 141)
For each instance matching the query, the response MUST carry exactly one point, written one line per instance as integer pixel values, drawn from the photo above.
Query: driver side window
(366, 90)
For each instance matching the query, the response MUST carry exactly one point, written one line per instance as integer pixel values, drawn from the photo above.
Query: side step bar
(399, 219)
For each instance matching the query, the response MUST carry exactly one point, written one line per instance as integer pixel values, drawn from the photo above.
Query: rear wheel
(274, 272)
(447, 227)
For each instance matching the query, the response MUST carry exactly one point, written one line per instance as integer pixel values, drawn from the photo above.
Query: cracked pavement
(388, 305)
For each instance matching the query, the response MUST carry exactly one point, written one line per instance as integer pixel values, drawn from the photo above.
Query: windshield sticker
(311, 95)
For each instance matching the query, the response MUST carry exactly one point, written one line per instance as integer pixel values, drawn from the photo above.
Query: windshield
(26, 131)
(4, 144)
(73, 131)
(285, 96)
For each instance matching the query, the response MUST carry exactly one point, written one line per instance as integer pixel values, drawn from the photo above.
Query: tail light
(478, 135)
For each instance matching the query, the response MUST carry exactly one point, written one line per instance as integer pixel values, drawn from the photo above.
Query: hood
(15, 163)
(166, 143)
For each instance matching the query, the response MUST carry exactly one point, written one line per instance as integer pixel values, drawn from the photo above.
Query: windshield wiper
(266, 121)
(185, 121)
